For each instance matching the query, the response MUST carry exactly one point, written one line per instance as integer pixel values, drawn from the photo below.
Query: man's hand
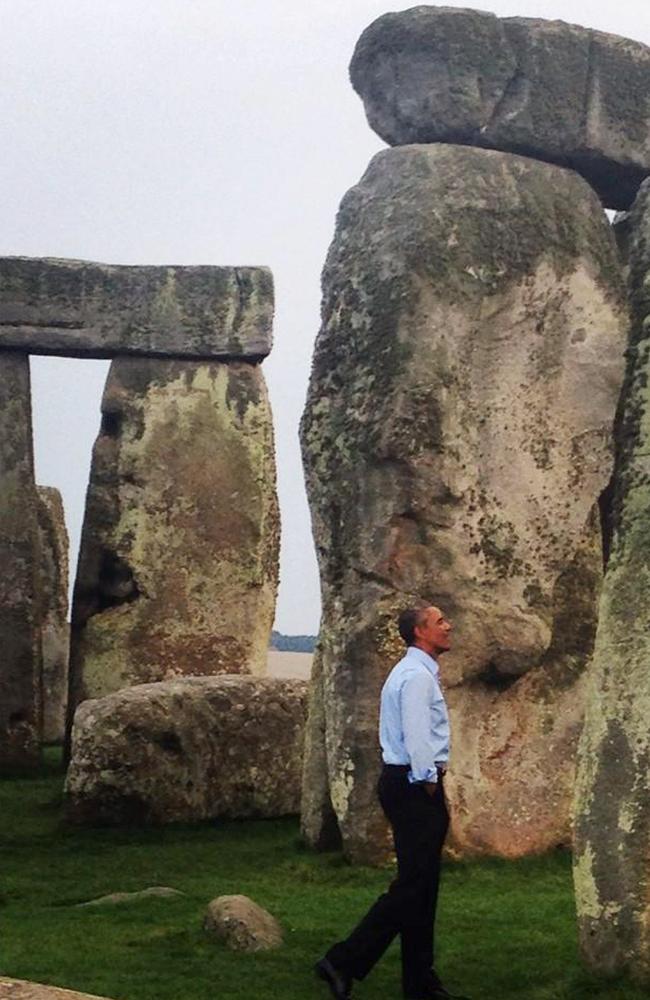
(431, 787)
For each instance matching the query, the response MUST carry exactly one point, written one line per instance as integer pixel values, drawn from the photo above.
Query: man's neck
(430, 652)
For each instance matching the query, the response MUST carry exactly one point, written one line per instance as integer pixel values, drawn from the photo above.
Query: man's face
(434, 633)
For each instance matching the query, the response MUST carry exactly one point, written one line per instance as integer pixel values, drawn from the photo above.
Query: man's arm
(416, 695)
